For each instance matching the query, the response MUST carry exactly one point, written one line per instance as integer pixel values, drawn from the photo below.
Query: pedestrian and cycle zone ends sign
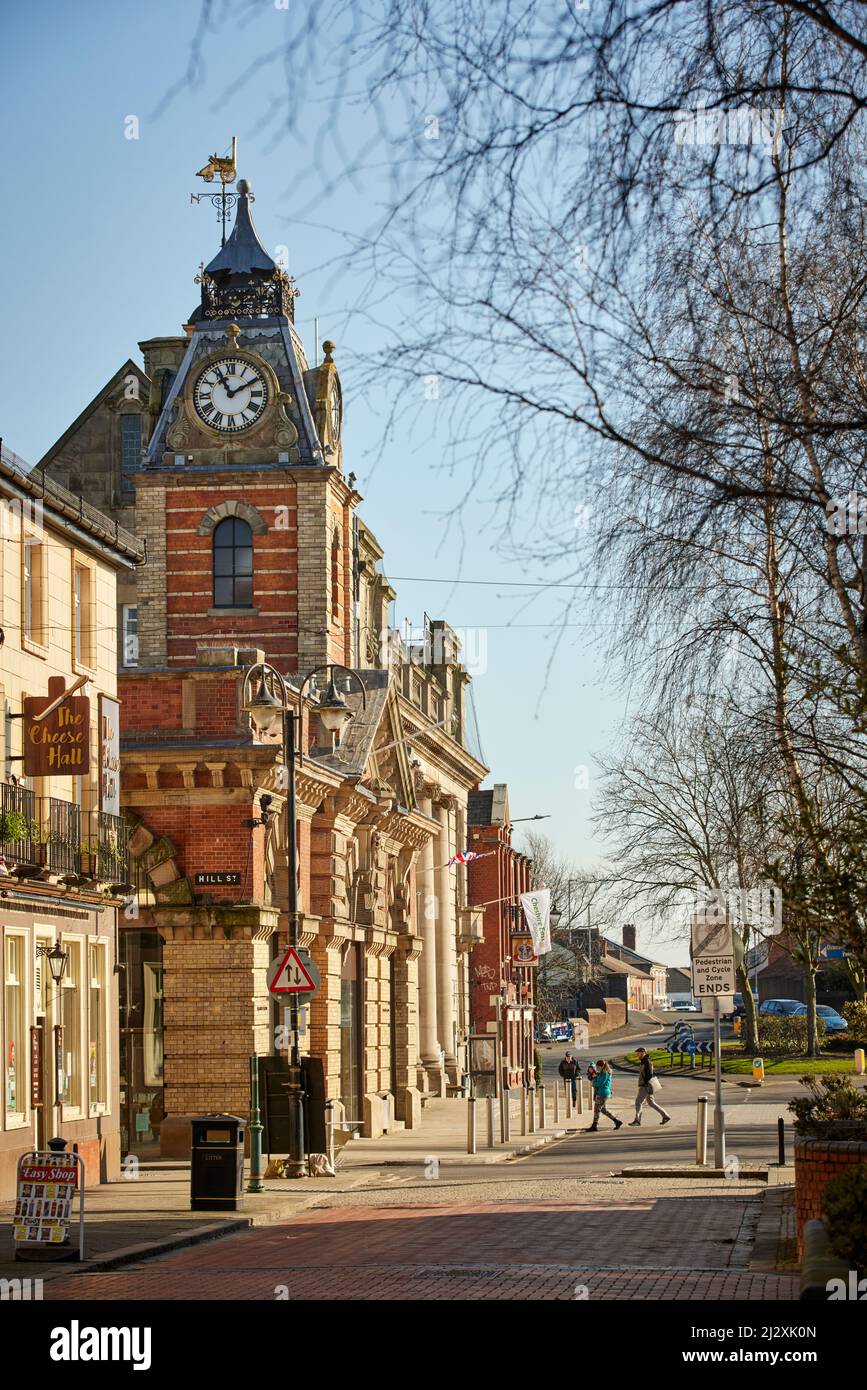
(713, 960)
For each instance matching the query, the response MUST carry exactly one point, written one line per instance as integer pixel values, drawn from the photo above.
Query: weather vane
(224, 201)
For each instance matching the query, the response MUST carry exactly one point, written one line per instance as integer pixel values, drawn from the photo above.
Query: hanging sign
(109, 755)
(523, 951)
(56, 744)
(537, 912)
(35, 1065)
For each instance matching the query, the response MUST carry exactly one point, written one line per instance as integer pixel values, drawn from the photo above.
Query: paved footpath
(668, 1242)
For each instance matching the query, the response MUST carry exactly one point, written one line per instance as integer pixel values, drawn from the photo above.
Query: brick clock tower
(246, 455)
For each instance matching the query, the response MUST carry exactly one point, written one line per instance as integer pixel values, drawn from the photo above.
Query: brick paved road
(656, 1248)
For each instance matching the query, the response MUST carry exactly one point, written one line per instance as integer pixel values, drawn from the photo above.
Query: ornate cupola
(243, 281)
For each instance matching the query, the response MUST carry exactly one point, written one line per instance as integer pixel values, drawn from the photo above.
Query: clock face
(336, 412)
(230, 395)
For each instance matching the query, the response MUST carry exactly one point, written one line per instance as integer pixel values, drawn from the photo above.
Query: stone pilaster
(150, 522)
(216, 1013)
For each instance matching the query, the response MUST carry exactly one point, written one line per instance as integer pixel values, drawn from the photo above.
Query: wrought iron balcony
(19, 831)
(61, 835)
(109, 850)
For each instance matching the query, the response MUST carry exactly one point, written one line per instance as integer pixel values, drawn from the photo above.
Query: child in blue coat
(601, 1091)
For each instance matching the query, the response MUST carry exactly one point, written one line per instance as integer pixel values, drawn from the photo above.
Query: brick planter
(817, 1161)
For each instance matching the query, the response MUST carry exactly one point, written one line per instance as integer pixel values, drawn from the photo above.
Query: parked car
(784, 1007)
(834, 1022)
(684, 1005)
(738, 1010)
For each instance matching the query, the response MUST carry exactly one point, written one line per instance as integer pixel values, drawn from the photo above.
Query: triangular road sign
(291, 975)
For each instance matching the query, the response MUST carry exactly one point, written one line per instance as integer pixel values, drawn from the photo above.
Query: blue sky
(103, 243)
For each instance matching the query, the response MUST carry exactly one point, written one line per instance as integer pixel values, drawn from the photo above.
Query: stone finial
(232, 334)
(328, 349)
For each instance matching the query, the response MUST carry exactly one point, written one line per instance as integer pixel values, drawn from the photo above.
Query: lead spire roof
(243, 253)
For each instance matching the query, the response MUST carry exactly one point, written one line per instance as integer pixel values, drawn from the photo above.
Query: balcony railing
(62, 826)
(56, 836)
(112, 851)
(18, 827)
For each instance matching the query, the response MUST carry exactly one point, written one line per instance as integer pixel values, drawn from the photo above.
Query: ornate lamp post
(274, 717)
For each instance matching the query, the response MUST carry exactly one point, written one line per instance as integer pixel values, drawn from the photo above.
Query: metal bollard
(701, 1132)
(523, 1109)
(781, 1142)
(507, 1115)
(580, 1095)
(568, 1101)
(329, 1132)
(556, 1104)
(490, 1122)
(471, 1124)
(542, 1098)
(531, 1106)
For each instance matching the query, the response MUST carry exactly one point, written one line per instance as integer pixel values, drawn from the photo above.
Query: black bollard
(781, 1142)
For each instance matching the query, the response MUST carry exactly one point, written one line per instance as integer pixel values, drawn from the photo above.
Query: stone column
(446, 941)
(426, 887)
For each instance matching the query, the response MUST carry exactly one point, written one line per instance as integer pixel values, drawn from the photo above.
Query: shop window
(233, 564)
(14, 1052)
(97, 1041)
(70, 1018)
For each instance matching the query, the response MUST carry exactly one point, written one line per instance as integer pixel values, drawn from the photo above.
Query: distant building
(502, 987)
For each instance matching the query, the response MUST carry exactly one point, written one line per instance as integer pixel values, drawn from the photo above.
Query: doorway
(142, 1092)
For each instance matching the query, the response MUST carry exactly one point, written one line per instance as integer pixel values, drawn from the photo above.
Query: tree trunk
(857, 977)
(812, 1026)
(751, 1015)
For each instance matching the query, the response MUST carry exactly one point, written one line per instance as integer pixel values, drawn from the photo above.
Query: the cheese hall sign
(56, 733)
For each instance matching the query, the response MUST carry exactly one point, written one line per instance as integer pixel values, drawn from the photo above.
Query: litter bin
(217, 1163)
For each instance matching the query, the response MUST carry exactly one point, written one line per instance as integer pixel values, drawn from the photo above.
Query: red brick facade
(817, 1161)
(496, 880)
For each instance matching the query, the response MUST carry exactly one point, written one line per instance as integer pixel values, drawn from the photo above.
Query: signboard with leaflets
(109, 756)
(47, 1183)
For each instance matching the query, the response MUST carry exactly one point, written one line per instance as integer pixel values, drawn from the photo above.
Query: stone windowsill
(233, 612)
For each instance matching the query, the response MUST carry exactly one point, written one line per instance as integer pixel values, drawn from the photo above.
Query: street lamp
(274, 717)
(58, 960)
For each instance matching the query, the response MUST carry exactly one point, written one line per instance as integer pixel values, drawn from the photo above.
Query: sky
(104, 244)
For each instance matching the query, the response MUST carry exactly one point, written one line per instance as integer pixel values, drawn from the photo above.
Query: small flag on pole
(463, 858)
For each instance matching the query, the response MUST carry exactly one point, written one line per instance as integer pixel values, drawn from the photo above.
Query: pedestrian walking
(648, 1082)
(568, 1069)
(601, 1082)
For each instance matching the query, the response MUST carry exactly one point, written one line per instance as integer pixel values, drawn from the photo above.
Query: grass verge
(736, 1062)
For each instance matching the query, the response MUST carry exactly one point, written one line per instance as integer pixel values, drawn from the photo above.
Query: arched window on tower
(233, 564)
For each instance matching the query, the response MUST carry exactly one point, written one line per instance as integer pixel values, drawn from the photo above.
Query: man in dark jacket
(568, 1069)
(645, 1092)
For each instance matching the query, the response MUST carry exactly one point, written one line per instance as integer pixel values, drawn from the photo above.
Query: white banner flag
(537, 911)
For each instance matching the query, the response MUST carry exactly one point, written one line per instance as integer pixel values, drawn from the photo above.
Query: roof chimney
(629, 936)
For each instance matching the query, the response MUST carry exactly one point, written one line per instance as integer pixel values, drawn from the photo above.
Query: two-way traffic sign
(293, 973)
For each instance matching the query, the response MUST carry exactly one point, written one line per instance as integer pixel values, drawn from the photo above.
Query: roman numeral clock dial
(230, 395)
